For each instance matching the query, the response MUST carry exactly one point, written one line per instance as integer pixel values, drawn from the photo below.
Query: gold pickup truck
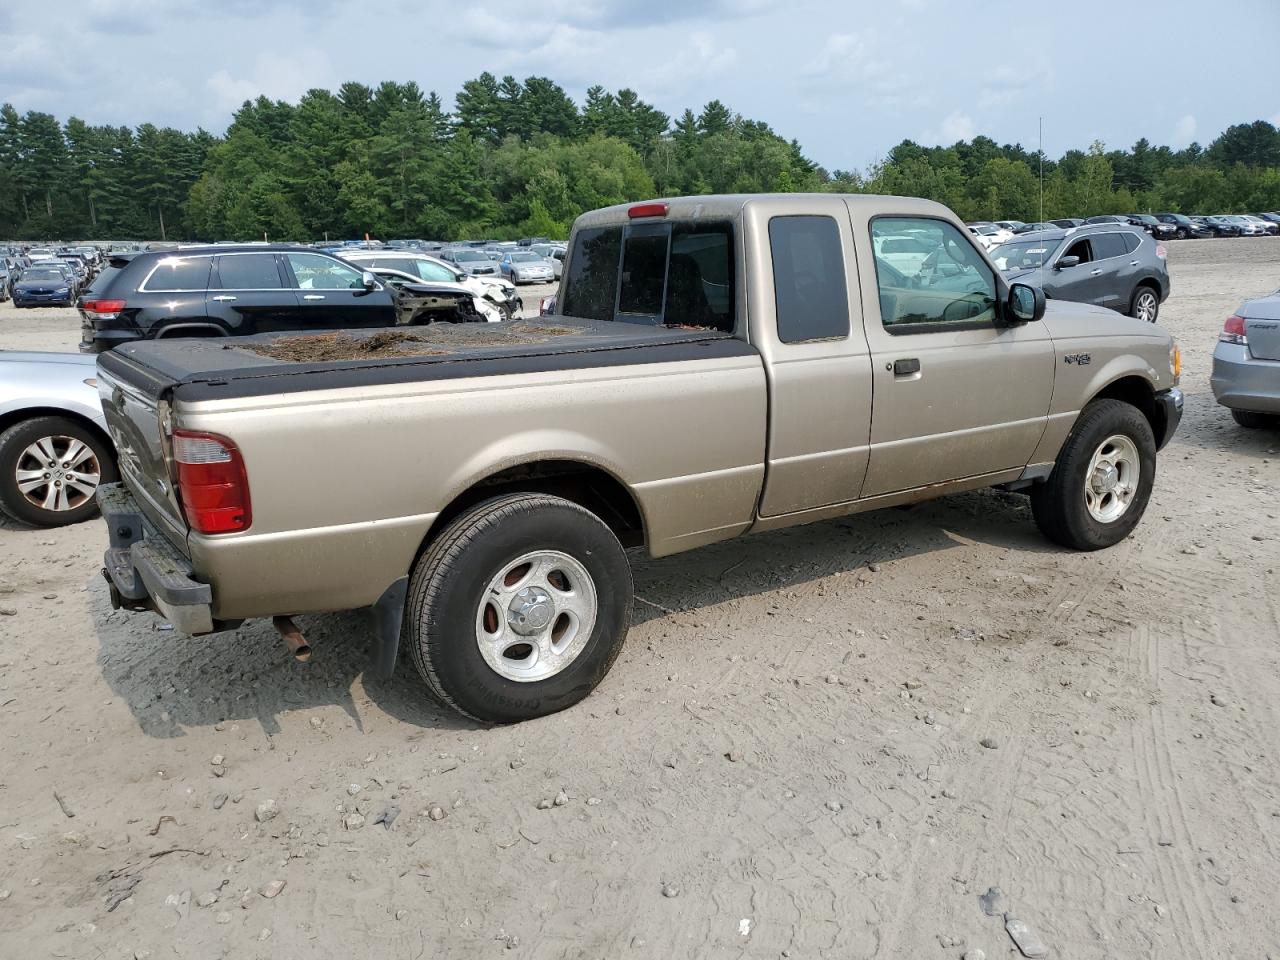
(716, 366)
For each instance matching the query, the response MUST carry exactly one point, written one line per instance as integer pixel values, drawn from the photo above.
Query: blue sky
(848, 80)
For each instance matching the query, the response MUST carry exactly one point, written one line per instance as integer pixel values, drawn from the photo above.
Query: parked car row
(1162, 226)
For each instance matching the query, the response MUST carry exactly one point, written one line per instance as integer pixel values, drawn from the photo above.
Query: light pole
(1041, 151)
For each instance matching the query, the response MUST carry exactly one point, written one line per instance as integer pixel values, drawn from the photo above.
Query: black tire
(1253, 420)
(1144, 297)
(1181, 234)
(13, 446)
(449, 584)
(1058, 504)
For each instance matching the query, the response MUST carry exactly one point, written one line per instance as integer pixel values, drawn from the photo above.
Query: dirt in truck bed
(433, 340)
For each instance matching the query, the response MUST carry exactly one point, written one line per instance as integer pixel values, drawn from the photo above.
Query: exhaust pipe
(293, 638)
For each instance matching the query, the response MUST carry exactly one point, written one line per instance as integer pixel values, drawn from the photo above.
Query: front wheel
(50, 470)
(519, 608)
(1102, 480)
(1145, 305)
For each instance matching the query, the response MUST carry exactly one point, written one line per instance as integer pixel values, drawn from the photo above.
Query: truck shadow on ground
(172, 682)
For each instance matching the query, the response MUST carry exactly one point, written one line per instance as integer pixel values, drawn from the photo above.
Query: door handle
(313, 296)
(1133, 263)
(904, 368)
(1095, 273)
(223, 299)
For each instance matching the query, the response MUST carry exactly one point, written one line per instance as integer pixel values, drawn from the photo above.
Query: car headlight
(63, 290)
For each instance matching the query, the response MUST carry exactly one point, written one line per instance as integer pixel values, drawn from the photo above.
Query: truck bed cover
(210, 369)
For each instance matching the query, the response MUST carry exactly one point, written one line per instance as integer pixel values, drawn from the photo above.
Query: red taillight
(212, 482)
(103, 309)
(548, 306)
(1233, 331)
(647, 210)
(1161, 252)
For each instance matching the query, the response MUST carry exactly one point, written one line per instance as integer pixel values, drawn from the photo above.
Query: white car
(989, 235)
(486, 308)
(905, 252)
(495, 289)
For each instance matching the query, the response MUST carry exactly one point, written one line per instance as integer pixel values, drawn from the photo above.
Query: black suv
(224, 290)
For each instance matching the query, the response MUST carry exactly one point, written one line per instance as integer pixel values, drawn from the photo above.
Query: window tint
(314, 272)
(809, 291)
(592, 287)
(1106, 245)
(180, 273)
(1079, 249)
(644, 271)
(952, 284)
(249, 271)
(680, 275)
(1131, 241)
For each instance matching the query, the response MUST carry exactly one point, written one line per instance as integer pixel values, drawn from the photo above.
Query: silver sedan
(54, 448)
(1246, 363)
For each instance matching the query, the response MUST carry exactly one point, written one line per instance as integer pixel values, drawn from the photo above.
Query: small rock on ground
(266, 810)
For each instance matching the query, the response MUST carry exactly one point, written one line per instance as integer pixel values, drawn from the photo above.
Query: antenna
(1042, 169)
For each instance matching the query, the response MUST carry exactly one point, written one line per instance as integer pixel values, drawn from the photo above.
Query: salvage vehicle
(1110, 266)
(54, 447)
(419, 301)
(44, 284)
(1184, 227)
(227, 290)
(1246, 363)
(498, 291)
(718, 365)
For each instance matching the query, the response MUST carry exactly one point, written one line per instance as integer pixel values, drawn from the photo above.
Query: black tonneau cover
(211, 369)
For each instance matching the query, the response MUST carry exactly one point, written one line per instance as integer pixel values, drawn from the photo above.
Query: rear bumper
(1171, 403)
(1242, 382)
(145, 572)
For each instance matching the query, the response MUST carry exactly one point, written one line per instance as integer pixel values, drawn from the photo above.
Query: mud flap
(388, 616)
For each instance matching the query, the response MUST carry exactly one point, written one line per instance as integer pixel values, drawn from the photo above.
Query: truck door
(956, 394)
(806, 321)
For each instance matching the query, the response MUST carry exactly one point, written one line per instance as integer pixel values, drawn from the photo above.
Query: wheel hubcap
(1112, 480)
(1147, 307)
(536, 615)
(58, 473)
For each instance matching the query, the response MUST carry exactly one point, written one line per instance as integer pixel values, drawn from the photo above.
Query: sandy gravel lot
(784, 762)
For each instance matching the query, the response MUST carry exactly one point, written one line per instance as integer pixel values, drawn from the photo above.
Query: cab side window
(1079, 249)
(950, 285)
(811, 299)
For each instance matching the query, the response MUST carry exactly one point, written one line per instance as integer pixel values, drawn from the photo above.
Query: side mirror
(369, 280)
(1025, 303)
(1066, 262)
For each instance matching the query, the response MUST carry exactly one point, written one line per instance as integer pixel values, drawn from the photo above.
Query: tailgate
(134, 404)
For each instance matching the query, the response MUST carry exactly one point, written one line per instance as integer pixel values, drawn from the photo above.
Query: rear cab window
(675, 274)
(810, 296)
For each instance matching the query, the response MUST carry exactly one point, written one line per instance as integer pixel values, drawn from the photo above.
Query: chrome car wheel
(536, 616)
(1112, 479)
(1144, 308)
(58, 473)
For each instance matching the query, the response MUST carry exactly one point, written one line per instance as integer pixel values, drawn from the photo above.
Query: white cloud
(1184, 130)
(956, 125)
(273, 76)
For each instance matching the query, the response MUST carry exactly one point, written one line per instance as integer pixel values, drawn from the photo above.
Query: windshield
(466, 255)
(524, 258)
(1023, 254)
(43, 275)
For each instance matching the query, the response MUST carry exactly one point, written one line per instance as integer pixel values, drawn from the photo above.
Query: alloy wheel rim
(1111, 482)
(536, 615)
(1147, 307)
(58, 473)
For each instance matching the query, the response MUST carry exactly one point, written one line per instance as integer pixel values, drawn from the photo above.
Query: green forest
(519, 158)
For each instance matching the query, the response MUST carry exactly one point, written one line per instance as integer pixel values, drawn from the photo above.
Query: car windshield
(525, 258)
(468, 255)
(1023, 254)
(46, 274)
(986, 229)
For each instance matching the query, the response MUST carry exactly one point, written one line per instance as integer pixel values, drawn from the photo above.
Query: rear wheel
(519, 608)
(1254, 421)
(50, 470)
(1101, 483)
(1145, 305)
